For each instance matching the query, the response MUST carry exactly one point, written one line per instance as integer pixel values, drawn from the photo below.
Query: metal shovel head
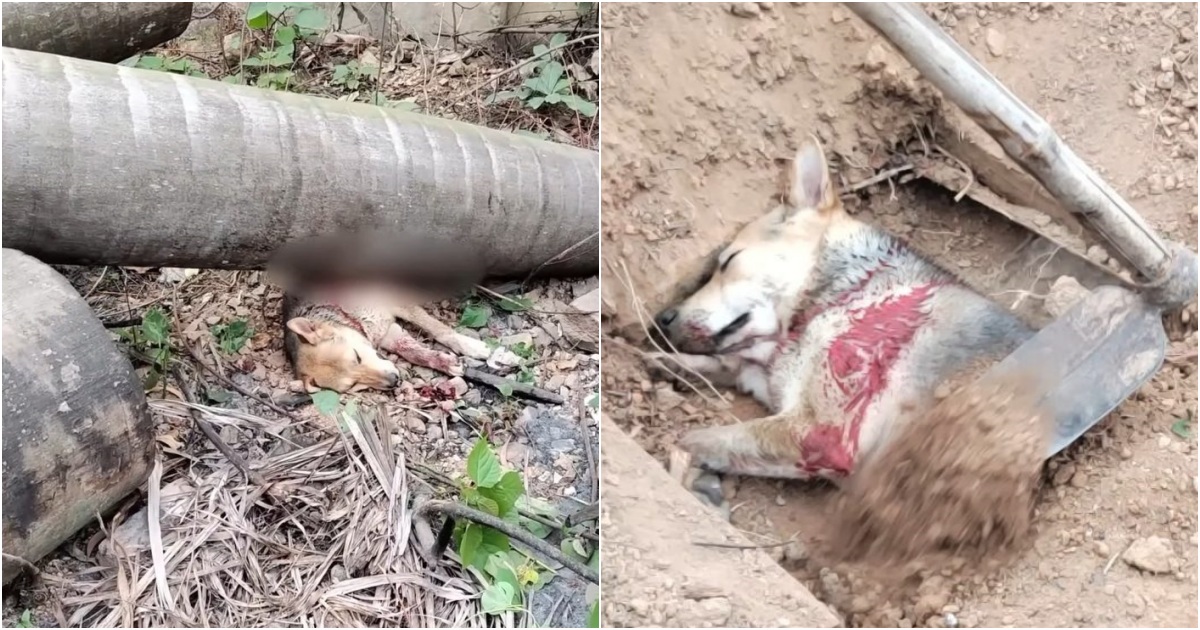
(1089, 360)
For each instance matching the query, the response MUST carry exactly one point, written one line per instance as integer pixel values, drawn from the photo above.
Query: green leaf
(593, 618)
(558, 39)
(483, 466)
(475, 316)
(498, 598)
(515, 304)
(495, 541)
(574, 547)
(524, 350)
(218, 395)
(326, 402)
(550, 75)
(505, 388)
(540, 50)
(581, 105)
(535, 527)
(311, 19)
(232, 337)
(593, 401)
(1183, 425)
(285, 35)
(152, 378)
(26, 620)
(235, 79)
(553, 98)
(476, 499)
(535, 102)
(257, 16)
(149, 62)
(155, 326)
(471, 539)
(506, 491)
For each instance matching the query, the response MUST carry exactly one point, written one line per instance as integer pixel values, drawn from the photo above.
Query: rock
(667, 398)
(588, 303)
(415, 424)
(514, 339)
(459, 386)
(745, 9)
(233, 48)
(132, 535)
(838, 15)
(1165, 81)
(1151, 554)
(1098, 254)
(1166, 64)
(1064, 293)
(1101, 548)
(877, 58)
(1138, 99)
(1156, 184)
(433, 432)
(995, 41)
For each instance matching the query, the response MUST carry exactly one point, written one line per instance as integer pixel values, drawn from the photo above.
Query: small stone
(667, 398)
(1138, 99)
(780, 501)
(1101, 548)
(415, 424)
(1165, 81)
(950, 619)
(1170, 182)
(1164, 441)
(1156, 184)
(433, 432)
(459, 385)
(877, 58)
(1126, 453)
(995, 42)
(1097, 254)
(838, 15)
(1079, 480)
(230, 435)
(1064, 293)
(1166, 64)
(1153, 554)
(745, 9)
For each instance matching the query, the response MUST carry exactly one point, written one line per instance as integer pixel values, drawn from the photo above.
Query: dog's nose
(393, 378)
(665, 318)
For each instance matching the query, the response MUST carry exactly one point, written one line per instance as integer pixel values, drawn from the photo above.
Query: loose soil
(699, 101)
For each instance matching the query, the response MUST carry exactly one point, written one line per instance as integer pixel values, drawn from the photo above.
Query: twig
(591, 461)
(262, 398)
(212, 435)
(743, 545)
(103, 273)
(124, 323)
(557, 257)
(513, 530)
(528, 61)
(966, 169)
(21, 561)
(871, 181)
(497, 382)
(210, 12)
(531, 30)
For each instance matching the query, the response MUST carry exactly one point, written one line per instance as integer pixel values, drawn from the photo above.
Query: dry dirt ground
(700, 98)
(295, 534)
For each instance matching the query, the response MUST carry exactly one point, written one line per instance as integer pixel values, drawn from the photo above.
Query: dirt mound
(957, 483)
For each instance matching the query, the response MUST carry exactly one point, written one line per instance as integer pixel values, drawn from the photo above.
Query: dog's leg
(721, 371)
(787, 446)
(411, 349)
(445, 335)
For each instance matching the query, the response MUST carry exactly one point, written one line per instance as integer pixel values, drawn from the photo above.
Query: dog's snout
(667, 317)
(393, 378)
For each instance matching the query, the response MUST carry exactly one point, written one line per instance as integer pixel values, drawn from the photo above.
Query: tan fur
(335, 338)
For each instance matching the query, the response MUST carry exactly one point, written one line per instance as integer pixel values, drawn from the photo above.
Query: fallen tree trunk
(100, 31)
(109, 165)
(77, 436)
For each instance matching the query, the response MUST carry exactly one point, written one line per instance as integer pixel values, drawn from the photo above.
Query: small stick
(212, 435)
(532, 59)
(742, 545)
(262, 398)
(124, 323)
(513, 530)
(871, 181)
(528, 391)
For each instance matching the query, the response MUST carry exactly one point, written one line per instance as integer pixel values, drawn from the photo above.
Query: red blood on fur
(823, 451)
(860, 363)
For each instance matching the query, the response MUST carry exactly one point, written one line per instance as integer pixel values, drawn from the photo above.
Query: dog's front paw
(664, 366)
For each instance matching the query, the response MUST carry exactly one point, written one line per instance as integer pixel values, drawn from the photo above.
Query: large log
(100, 31)
(109, 165)
(77, 435)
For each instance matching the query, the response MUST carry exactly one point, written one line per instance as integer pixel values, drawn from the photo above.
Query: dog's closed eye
(357, 359)
(725, 265)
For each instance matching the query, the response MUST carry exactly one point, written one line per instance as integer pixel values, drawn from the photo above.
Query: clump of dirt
(957, 483)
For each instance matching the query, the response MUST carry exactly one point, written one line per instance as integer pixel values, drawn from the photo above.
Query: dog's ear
(305, 328)
(807, 184)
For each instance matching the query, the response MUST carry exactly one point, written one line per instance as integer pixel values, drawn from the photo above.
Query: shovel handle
(1026, 137)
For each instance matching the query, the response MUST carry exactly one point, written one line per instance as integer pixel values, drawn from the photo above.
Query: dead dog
(332, 338)
(834, 325)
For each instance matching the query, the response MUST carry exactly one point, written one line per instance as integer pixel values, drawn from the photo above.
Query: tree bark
(77, 435)
(100, 31)
(108, 165)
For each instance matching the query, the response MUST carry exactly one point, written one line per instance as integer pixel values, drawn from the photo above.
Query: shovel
(1108, 344)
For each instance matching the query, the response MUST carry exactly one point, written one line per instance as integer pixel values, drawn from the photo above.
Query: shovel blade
(1090, 360)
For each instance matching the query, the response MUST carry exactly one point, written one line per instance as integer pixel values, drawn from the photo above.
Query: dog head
(757, 279)
(337, 357)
